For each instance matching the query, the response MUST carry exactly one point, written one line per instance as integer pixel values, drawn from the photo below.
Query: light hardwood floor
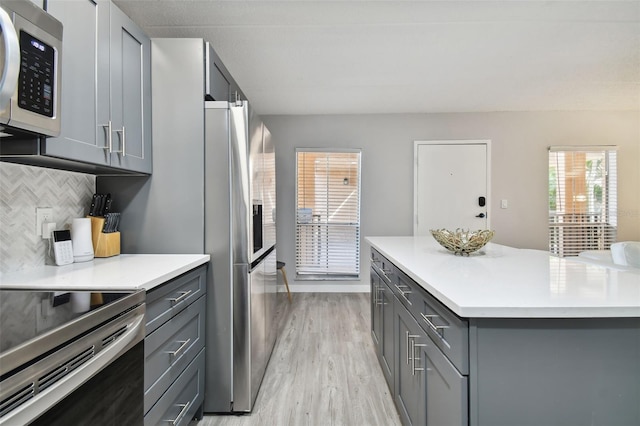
(323, 370)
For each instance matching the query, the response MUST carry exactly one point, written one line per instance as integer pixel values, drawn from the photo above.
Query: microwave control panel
(35, 84)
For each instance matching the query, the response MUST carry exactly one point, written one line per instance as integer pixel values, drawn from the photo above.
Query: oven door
(112, 397)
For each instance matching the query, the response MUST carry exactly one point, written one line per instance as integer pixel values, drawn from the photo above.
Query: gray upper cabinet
(130, 94)
(217, 85)
(106, 88)
(85, 81)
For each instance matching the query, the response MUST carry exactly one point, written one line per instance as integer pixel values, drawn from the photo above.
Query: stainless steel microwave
(30, 68)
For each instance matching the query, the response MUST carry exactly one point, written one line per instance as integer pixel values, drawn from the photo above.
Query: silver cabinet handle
(403, 293)
(410, 343)
(109, 144)
(181, 414)
(413, 353)
(174, 354)
(123, 151)
(437, 328)
(183, 295)
(382, 302)
(407, 336)
(386, 273)
(124, 142)
(413, 358)
(380, 298)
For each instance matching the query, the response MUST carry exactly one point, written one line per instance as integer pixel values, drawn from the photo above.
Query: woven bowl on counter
(462, 241)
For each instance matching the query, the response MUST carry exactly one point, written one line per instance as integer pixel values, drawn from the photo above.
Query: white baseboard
(325, 288)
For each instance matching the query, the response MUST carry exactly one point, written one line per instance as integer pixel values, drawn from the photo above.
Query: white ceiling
(322, 57)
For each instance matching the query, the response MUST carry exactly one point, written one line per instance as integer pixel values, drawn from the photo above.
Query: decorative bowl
(462, 241)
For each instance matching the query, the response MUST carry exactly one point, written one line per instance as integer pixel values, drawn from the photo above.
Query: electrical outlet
(504, 204)
(47, 230)
(43, 215)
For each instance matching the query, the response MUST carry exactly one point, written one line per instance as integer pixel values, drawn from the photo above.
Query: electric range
(58, 348)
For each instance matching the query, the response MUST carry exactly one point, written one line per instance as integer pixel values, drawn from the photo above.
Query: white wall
(519, 170)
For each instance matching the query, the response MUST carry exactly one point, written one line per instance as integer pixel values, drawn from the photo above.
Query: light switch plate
(504, 204)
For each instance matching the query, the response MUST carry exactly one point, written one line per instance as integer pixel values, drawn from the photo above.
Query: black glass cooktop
(27, 314)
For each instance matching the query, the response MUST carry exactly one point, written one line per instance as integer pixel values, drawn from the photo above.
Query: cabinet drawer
(406, 290)
(170, 348)
(167, 300)
(447, 330)
(179, 404)
(382, 265)
(446, 389)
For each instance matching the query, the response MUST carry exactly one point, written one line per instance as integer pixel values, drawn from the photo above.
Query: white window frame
(578, 223)
(326, 249)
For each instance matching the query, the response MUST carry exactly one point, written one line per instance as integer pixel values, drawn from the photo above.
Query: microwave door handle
(11, 68)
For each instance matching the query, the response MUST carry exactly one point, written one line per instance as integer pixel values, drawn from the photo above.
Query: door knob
(480, 215)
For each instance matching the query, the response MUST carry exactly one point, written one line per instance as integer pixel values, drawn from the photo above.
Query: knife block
(104, 245)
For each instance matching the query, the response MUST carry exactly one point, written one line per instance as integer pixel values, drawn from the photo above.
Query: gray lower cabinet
(376, 311)
(382, 317)
(410, 331)
(457, 371)
(387, 346)
(410, 395)
(174, 350)
(429, 389)
(106, 84)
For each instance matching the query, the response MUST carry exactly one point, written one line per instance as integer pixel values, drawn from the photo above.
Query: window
(582, 199)
(328, 214)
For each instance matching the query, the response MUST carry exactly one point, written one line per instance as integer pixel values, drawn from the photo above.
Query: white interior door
(451, 185)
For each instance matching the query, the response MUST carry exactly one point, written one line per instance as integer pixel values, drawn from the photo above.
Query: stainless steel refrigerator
(212, 191)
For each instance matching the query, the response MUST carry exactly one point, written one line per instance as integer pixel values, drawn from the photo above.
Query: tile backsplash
(22, 189)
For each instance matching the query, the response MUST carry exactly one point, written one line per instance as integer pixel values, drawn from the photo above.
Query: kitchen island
(505, 336)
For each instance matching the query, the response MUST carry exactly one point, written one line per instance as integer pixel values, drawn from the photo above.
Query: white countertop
(506, 282)
(123, 272)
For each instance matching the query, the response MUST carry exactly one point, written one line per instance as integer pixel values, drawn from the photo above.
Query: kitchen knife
(108, 218)
(96, 212)
(92, 208)
(101, 203)
(117, 222)
(105, 225)
(107, 204)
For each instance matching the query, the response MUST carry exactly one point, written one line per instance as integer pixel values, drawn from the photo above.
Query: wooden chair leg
(286, 283)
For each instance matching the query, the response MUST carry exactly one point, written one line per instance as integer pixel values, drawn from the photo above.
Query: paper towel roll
(81, 239)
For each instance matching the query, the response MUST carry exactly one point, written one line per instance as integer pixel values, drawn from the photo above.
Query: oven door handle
(43, 401)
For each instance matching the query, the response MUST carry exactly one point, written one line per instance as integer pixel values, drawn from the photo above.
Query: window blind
(582, 199)
(328, 215)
